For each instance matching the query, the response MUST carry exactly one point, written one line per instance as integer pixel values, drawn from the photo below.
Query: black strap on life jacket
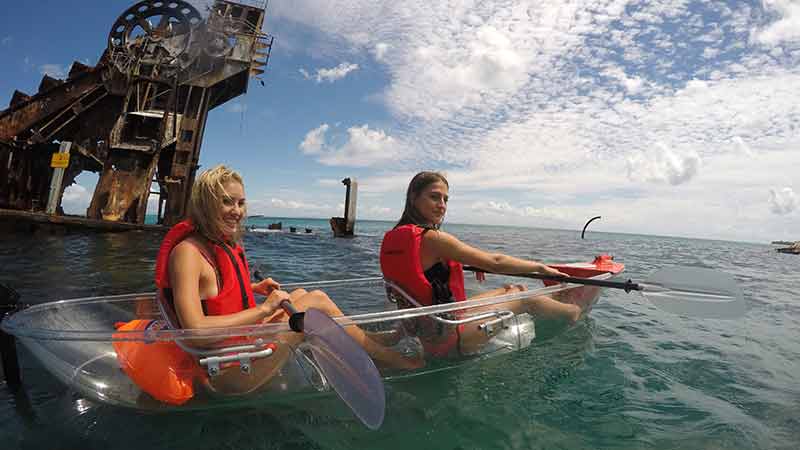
(245, 298)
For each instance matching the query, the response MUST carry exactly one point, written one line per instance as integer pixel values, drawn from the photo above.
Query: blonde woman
(202, 270)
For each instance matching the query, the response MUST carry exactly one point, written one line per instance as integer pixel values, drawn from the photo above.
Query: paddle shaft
(626, 285)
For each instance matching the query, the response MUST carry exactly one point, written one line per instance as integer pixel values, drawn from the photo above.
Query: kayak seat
(241, 352)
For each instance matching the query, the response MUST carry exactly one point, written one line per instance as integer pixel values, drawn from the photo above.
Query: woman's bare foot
(386, 338)
(573, 314)
(395, 360)
(413, 362)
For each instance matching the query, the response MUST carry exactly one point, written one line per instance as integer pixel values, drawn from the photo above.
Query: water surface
(629, 376)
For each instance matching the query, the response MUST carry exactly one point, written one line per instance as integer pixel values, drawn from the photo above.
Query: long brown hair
(418, 184)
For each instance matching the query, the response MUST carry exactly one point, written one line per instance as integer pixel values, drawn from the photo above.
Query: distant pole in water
(587, 224)
(345, 226)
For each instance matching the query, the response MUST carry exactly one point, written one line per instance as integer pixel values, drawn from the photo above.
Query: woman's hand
(273, 301)
(480, 276)
(547, 270)
(266, 287)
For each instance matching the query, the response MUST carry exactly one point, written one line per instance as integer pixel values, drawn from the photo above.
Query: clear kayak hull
(78, 341)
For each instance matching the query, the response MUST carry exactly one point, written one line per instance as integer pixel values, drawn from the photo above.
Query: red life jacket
(401, 264)
(236, 293)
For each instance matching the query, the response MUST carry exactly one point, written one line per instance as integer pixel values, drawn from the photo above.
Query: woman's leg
(472, 337)
(550, 308)
(381, 354)
(542, 306)
(231, 381)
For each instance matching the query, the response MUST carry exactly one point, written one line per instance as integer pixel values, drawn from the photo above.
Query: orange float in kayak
(161, 368)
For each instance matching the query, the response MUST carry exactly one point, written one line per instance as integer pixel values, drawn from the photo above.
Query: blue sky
(666, 117)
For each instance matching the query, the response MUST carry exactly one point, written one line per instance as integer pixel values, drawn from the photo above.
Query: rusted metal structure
(137, 118)
(793, 249)
(345, 226)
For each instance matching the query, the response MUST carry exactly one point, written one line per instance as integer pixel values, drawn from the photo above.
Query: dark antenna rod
(587, 224)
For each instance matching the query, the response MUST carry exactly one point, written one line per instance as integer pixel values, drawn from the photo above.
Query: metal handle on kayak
(487, 315)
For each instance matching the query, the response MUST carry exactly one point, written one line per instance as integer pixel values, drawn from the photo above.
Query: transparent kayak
(80, 341)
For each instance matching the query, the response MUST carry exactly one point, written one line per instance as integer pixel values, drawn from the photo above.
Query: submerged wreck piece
(793, 249)
(345, 226)
(137, 117)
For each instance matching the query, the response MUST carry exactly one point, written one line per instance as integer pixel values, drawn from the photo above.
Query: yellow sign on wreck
(60, 161)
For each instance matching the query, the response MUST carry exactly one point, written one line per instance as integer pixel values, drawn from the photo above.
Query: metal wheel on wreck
(159, 31)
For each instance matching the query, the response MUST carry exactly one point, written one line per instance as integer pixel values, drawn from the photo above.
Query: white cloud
(291, 204)
(504, 208)
(458, 74)
(741, 147)
(363, 147)
(493, 207)
(664, 165)
(76, 199)
(632, 84)
(54, 70)
(377, 212)
(314, 140)
(787, 28)
(381, 48)
(330, 75)
(782, 201)
(75, 193)
(711, 53)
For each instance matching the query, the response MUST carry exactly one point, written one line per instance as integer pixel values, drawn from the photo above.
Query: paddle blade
(695, 292)
(347, 367)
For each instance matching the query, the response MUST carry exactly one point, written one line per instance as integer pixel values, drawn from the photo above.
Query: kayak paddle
(686, 291)
(344, 363)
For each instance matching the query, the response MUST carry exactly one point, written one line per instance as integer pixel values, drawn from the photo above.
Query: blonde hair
(208, 193)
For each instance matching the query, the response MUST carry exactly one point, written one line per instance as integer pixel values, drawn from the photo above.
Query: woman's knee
(512, 288)
(319, 296)
(297, 293)
(318, 293)
(320, 300)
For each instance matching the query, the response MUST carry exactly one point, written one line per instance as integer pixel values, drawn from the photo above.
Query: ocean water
(629, 376)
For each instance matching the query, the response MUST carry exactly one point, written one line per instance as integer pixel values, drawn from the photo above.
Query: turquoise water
(629, 376)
